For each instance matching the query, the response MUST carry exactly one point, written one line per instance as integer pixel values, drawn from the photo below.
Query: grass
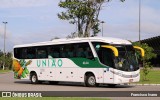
(56, 98)
(153, 76)
(4, 71)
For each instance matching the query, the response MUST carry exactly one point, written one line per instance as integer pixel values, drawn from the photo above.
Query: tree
(83, 13)
(72, 35)
(149, 54)
(1, 58)
(7, 60)
(55, 38)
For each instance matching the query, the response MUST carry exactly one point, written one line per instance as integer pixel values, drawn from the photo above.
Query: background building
(154, 42)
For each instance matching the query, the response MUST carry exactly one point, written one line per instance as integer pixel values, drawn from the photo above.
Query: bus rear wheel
(34, 79)
(90, 81)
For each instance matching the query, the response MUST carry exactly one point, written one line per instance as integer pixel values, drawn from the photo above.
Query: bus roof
(109, 40)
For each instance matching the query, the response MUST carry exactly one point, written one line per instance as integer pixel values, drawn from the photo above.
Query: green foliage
(1, 59)
(1, 53)
(83, 13)
(146, 69)
(96, 29)
(149, 54)
(7, 60)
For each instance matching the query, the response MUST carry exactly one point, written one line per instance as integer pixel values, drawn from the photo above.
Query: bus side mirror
(141, 49)
(114, 49)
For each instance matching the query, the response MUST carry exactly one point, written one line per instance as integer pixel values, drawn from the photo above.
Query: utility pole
(102, 27)
(139, 21)
(4, 44)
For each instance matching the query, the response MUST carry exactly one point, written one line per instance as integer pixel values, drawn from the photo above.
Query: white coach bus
(89, 60)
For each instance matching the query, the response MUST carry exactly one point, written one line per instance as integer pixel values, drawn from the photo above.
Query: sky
(32, 21)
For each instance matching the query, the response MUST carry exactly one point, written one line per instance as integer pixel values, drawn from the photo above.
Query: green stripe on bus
(87, 63)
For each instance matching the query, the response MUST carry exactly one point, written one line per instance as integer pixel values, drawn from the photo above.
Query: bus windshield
(126, 60)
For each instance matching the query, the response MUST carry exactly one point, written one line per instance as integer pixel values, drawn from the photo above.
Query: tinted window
(17, 53)
(41, 52)
(54, 51)
(74, 50)
(25, 53)
(31, 53)
(83, 50)
(105, 55)
(68, 51)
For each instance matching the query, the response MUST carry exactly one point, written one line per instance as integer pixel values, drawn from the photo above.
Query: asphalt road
(8, 83)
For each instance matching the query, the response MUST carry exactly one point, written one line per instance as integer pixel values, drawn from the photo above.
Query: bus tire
(34, 78)
(90, 81)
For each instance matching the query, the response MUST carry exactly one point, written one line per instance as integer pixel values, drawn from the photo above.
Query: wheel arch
(31, 73)
(87, 73)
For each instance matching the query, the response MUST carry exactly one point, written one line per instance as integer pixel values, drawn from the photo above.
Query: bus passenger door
(106, 59)
(108, 76)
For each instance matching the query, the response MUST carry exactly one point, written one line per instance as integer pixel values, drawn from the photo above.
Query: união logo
(49, 63)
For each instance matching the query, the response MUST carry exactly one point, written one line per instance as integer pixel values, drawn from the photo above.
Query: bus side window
(18, 53)
(50, 52)
(88, 53)
(70, 51)
(84, 50)
(70, 54)
(30, 56)
(30, 53)
(63, 52)
(80, 53)
(24, 53)
(106, 56)
(41, 53)
(54, 52)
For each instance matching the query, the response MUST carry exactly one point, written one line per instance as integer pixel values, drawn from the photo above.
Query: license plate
(130, 80)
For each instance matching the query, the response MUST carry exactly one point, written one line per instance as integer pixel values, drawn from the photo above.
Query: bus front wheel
(34, 79)
(90, 81)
